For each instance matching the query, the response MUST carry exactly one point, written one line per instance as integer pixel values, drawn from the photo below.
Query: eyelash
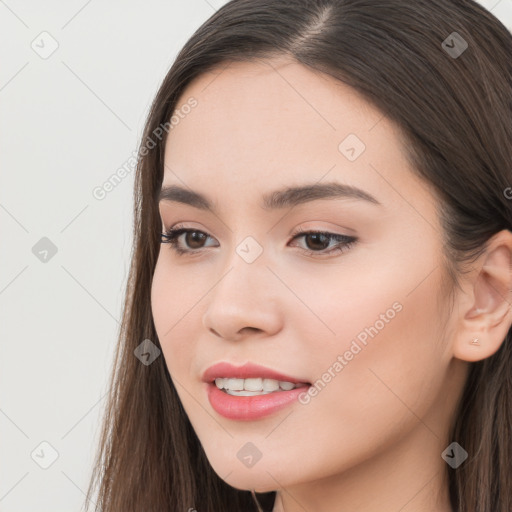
(344, 242)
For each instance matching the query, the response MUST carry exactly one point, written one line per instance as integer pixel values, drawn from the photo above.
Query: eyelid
(336, 229)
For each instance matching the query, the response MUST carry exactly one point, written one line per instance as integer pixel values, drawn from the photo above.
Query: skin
(372, 438)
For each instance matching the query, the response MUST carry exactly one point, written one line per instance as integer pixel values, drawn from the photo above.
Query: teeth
(252, 386)
(234, 384)
(270, 385)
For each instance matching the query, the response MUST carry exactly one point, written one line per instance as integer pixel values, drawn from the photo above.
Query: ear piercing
(475, 341)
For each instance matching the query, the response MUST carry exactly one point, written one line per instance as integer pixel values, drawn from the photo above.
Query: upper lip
(246, 371)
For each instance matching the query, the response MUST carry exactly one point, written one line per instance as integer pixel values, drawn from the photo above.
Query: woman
(318, 314)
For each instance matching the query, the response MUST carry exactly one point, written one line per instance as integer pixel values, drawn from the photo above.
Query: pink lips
(247, 408)
(247, 371)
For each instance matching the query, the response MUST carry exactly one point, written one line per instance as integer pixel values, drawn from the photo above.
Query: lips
(250, 408)
(247, 371)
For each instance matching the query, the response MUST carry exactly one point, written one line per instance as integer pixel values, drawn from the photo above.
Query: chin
(246, 480)
(255, 485)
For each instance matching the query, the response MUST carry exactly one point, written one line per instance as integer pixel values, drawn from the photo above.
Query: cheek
(161, 299)
(388, 360)
(168, 305)
(385, 324)
(177, 307)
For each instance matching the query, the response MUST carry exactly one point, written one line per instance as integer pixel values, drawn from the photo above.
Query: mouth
(250, 392)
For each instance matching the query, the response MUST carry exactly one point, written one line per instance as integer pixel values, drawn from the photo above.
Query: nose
(245, 302)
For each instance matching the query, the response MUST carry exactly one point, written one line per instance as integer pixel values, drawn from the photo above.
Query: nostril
(252, 329)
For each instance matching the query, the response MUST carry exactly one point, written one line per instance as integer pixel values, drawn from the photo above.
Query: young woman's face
(360, 321)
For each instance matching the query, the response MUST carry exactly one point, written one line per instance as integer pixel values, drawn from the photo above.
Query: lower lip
(247, 408)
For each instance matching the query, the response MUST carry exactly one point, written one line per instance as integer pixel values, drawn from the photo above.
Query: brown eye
(317, 241)
(194, 239)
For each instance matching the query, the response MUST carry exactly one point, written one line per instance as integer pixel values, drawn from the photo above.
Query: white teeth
(252, 386)
(270, 385)
(234, 384)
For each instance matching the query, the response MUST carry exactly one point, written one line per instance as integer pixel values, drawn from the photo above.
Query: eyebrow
(284, 198)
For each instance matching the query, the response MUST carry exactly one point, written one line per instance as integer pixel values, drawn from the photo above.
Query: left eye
(319, 241)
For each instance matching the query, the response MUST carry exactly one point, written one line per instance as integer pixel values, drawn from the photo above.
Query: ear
(486, 307)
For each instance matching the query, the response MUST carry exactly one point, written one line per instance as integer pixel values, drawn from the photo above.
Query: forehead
(253, 102)
(262, 124)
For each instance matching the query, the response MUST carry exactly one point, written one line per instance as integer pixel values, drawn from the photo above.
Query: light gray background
(68, 122)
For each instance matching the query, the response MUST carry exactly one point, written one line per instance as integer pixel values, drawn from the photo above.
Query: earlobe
(487, 308)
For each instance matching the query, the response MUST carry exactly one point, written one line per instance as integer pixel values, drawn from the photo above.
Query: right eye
(194, 241)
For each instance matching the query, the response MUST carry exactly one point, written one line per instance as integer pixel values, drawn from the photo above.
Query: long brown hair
(455, 114)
